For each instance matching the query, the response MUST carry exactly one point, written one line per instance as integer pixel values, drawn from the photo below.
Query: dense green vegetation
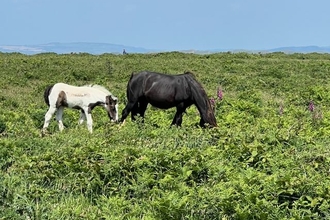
(268, 159)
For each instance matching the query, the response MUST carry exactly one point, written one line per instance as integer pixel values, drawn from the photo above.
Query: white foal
(84, 98)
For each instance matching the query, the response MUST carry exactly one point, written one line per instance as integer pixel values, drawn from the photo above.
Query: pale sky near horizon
(168, 25)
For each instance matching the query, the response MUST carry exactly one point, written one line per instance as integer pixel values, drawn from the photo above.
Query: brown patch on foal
(61, 100)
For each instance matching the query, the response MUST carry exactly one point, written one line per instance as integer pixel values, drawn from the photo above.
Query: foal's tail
(47, 92)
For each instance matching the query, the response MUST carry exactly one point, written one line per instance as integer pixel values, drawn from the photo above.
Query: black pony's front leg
(177, 120)
(202, 123)
(129, 107)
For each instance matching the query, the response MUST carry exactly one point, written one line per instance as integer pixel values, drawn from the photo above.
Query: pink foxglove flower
(311, 106)
(212, 101)
(220, 93)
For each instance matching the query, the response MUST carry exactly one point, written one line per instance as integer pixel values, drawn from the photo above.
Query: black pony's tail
(128, 89)
(47, 92)
(132, 74)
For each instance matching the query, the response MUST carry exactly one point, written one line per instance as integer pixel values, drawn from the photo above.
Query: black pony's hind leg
(143, 108)
(135, 111)
(139, 108)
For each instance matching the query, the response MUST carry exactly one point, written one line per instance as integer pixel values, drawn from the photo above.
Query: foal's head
(112, 107)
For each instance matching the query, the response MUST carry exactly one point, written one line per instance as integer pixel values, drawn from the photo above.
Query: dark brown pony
(167, 91)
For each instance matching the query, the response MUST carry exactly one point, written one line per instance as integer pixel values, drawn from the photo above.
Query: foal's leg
(82, 117)
(48, 116)
(59, 115)
(88, 115)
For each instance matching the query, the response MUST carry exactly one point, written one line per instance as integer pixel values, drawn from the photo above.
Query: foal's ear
(109, 99)
(112, 99)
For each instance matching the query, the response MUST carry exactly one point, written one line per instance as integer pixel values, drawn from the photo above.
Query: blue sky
(168, 25)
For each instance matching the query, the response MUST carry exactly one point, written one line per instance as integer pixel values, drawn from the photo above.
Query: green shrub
(268, 159)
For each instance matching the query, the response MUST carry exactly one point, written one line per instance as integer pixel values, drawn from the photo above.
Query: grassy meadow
(269, 157)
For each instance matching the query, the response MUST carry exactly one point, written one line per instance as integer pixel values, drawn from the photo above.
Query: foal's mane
(101, 88)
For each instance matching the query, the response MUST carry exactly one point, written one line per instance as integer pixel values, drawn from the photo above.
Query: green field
(269, 157)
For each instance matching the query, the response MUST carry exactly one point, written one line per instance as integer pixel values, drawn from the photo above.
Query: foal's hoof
(43, 133)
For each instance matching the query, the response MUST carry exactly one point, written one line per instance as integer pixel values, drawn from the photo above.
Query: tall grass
(268, 159)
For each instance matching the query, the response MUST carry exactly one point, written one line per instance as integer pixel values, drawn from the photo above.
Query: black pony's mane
(191, 79)
(201, 98)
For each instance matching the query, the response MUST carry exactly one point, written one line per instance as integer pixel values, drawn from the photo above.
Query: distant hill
(65, 48)
(307, 49)
(288, 50)
(100, 48)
